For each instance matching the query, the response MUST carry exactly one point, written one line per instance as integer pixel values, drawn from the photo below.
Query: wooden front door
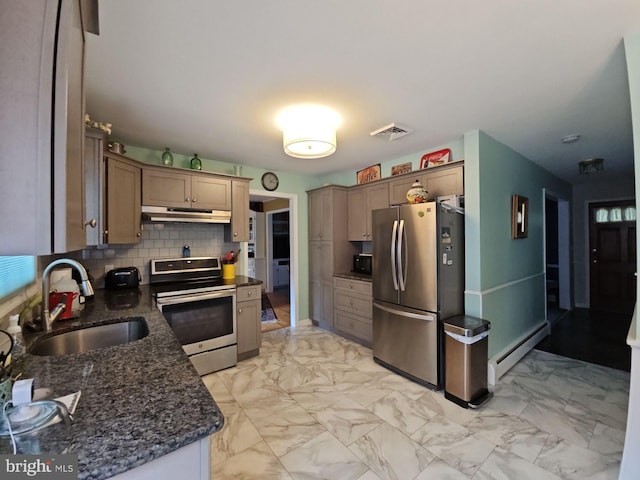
(612, 238)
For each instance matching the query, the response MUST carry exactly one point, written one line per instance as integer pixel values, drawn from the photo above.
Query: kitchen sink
(92, 338)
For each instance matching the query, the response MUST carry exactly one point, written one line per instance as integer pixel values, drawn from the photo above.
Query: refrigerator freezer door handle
(428, 318)
(402, 269)
(394, 237)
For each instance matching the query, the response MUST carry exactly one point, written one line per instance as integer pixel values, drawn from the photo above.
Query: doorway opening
(275, 256)
(557, 261)
(596, 335)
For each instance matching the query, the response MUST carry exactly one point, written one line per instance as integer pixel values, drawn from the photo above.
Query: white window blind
(16, 273)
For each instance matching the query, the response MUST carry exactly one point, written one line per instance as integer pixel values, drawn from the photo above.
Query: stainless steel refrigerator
(418, 280)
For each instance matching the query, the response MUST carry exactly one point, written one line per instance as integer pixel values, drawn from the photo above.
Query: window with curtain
(16, 273)
(615, 214)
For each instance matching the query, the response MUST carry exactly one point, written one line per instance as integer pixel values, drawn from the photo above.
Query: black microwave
(362, 263)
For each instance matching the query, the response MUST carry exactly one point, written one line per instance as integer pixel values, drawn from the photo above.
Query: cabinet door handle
(195, 200)
(235, 234)
(249, 293)
(91, 223)
(139, 234)
(239, 310)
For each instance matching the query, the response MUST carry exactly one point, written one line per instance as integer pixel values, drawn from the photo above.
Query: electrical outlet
(107, 268)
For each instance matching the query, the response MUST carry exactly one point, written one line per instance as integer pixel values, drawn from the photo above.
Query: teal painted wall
(504, 277)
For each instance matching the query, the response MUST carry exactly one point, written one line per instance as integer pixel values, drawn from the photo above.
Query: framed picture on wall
(519, 216)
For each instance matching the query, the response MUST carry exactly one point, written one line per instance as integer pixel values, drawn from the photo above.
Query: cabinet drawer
(355, 286)
(351, 303)
(355, 325)
(244, 294)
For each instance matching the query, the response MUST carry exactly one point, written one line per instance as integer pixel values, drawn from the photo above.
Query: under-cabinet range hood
(184, 215)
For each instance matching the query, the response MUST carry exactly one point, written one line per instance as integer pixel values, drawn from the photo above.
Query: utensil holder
(228, 271)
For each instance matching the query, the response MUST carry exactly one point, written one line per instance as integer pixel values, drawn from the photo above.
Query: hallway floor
(314, 405)
(279, 299)
(592, 336)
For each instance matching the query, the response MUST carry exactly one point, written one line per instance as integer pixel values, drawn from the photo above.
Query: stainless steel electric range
(200, 308)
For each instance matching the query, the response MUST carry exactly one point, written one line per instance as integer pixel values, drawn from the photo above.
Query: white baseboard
(304, 323)
(502, 363)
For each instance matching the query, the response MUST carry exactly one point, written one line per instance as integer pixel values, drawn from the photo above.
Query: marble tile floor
(314, 405)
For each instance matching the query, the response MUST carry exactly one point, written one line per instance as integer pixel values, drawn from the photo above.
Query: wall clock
(270, 181)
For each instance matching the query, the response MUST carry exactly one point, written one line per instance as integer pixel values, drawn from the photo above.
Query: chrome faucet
(85, 286)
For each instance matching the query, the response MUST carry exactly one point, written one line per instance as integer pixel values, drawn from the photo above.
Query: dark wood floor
(279, 299)
(592, 336)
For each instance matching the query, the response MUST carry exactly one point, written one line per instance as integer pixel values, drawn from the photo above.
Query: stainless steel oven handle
(194, 297)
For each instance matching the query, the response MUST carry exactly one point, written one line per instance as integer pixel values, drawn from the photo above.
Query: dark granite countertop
(354, 276)
(244, 281)
(139, 401)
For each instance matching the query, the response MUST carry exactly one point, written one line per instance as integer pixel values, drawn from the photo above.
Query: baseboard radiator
(502, 363)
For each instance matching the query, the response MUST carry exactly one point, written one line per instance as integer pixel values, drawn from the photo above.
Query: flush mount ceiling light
(570, 138)
(591, 165)
(308, 131)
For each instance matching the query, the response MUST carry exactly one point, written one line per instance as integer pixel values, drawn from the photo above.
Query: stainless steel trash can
(466, 350)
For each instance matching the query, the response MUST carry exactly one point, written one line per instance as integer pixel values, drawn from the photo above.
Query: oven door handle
(194, 297)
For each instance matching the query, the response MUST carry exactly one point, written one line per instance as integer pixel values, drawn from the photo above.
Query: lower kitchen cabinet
(192, 461)
(248, 316)
(353, 309)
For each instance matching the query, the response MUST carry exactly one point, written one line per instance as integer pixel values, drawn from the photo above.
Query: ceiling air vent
(393, 131)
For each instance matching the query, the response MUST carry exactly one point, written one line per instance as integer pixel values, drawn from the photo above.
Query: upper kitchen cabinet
(175, 188)
(238, 230)
(94, 178)
(41, 142)
(122, 207)
(113, 194)
(362, 201)
(443, 180)
(322, 203)
(398, 187)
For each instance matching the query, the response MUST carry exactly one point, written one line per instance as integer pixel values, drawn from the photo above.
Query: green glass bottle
(167, 158)
(196, 163)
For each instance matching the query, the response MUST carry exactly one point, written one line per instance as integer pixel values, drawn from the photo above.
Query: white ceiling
(210, 76)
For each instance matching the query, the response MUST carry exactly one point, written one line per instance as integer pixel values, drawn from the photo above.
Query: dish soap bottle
(196, 163)
(16, 333)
